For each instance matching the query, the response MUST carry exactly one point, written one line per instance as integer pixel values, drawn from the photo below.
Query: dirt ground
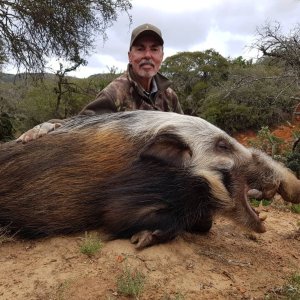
(284, 132)
(227, 263)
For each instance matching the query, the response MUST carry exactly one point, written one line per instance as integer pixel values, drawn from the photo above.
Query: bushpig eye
(223, 145)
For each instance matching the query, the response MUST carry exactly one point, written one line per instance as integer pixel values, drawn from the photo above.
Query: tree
(31, 31)
(63, 85)
(193, 73)
(253, 96)
(68, 90)
(282, 48)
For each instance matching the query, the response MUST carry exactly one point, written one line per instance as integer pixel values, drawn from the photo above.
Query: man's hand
(38, 131)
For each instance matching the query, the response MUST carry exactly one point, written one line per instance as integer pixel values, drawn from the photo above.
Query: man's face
(145, 56)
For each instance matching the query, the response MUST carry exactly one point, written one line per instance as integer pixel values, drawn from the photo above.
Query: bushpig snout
(270, 177)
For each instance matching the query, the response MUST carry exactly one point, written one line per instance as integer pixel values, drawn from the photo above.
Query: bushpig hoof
(144, 238)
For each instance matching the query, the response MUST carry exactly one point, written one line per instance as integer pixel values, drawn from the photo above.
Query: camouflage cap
(144, 29)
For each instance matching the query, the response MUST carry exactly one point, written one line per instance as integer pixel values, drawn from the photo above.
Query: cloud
(228, 26)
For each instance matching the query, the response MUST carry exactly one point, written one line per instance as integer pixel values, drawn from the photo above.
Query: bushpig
(144, 175)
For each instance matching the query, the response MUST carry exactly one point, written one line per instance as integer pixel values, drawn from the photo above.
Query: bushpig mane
(147, 125)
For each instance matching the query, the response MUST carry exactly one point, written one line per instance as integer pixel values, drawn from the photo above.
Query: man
(140, 87)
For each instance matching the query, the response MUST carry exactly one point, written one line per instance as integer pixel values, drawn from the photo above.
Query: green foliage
(279, 149)
(6, 127)
(234, 94)
(62, 288)
(241, 62)
(228, 116)
(293, 162)
(263, 202)
(130, 283)
(267, 142)
(289, 291)
(279, 47)
(38, 104)
(34, 31)
(91, 245)
(295, 208)
(29, 103)
(260, 88)
(193, 73)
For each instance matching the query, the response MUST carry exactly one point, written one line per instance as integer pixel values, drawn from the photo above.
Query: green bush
(6, 128)
(289, 291)
(228, 115)
(91, 245)
(130, 283)
(295, 208)
(293, 162)
(267, 142)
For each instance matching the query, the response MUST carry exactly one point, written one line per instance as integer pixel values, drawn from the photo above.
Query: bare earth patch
(227, 263)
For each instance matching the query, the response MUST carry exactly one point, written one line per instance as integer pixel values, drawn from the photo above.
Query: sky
(227, 26)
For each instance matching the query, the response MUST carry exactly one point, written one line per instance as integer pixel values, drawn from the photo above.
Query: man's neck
(145, 83)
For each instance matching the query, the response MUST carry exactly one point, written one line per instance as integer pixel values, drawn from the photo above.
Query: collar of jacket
(162, 82)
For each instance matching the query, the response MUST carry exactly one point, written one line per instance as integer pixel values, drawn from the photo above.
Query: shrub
(291, 290)
(295, 208)
(267, 142)
(130, 283)
(6, 127)
(293, 162)
(91, 245)
(229, 116)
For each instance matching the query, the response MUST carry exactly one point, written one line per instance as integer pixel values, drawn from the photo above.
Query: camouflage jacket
(124, 93)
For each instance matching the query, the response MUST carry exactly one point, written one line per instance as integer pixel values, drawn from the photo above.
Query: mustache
(146, 62)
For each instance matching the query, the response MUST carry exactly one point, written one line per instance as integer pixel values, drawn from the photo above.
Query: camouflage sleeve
(177, 106)
(103, 103)
(175, 102)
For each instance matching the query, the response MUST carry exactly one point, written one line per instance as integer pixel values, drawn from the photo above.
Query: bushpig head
(142, 174)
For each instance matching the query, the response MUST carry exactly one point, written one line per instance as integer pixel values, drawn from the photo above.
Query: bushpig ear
(168, 148)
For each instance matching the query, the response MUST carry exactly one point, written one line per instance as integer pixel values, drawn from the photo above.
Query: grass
(61, 290)
(91, 245)
(257, 203)
(295, 208)
(130, 283)
(289, 291)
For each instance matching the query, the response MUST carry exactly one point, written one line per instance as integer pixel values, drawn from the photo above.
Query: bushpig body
(142, 175)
